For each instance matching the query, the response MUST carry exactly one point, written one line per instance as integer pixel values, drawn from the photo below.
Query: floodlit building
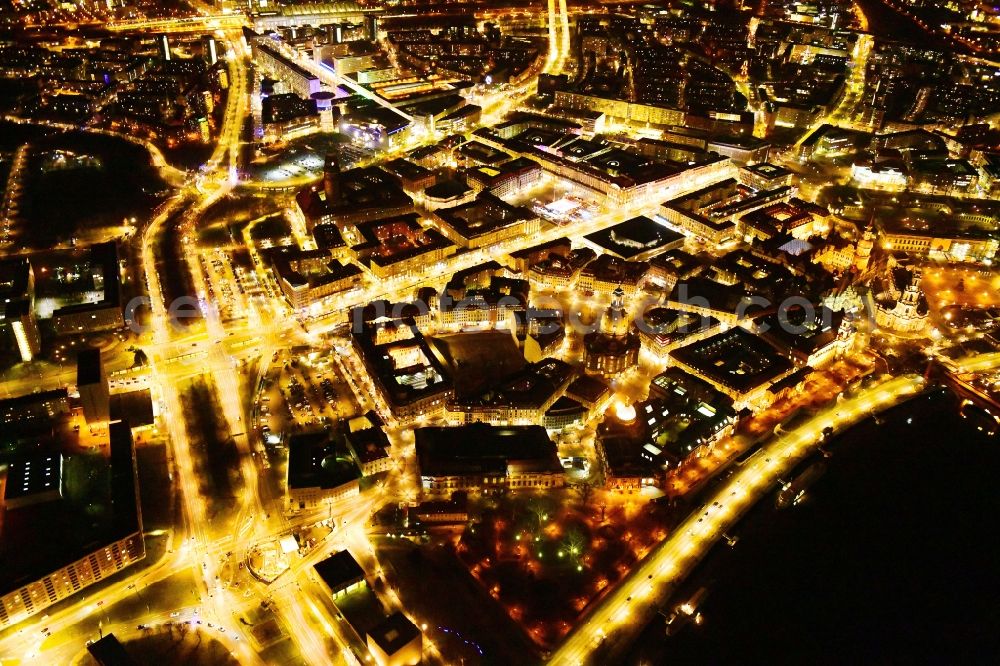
(902, 310)
(409, 375)
(44, 567)
(319, 472)
(105, 312)
(395, 642)
(736, 362)
(17, 311)
(615, 347)
(341, 573)
(369, 444)
(487, 458)
(522, 398)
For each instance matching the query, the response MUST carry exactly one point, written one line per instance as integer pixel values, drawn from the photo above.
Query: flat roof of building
(314, 460)
(32, 475)
(392, 365)
(801, 330)
(328, 237)
(108, 651)
(588, 389)
(608, 268)
(15, 277)
(735, 358)
(88, 367)
(395, 239)
(393, 633)
(667, 325)
(361, 189)
(486, 214)
(403, 168)
(339, 571)
(280, 57)
(447, 189)
(479, 448)
(639, 236)
(136, 407)
(530, 387)
(368, 444)
(99, 505)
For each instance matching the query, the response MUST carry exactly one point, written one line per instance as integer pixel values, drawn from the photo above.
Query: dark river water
(892, 558)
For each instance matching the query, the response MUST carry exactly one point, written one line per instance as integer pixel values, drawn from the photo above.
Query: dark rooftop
(735, 358)
(88, 367)
(32, 475)
(393, 633)
(638, 237)
(340, 570)
(315, 460)
(108, 651)
(99, 505)
(479, 448)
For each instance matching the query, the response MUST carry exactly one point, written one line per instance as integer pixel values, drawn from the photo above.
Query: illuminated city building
(59, 562)
(902, 307)
(505, 179)
(737, 363)
(395, 642)
(308, 276)
(447, 194)
(664, 329)
(615, 347)
(407, 372)
(637, 239)
(100, 313)
(711, 212)
(943, 242)
(396, 246)
(807, 336)
(764, 176)
(21, 319)
(413, 177)
(607, 274)
(288, 116)
(351, 197)
(369, 444)
(616, 170)
(509, 458)
(17, 312)
(280, 67)
(523, 398)
(794, 217)
(486, 221)
(319, 472)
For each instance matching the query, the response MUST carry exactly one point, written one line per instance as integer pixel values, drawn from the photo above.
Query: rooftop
(314, 460)
(99, 505)
(360, 189)
(479, 448)
(736, 359)
(486, 214)
(339, 570)
(31, 477)
(88, 367)
(532, 386)
(394, 633)
(637, 237)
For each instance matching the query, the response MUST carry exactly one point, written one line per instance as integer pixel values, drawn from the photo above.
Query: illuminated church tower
(863, 254)
(615, 347)
(615, 322)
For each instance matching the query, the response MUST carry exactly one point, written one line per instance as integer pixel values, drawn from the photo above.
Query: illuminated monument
(615, 347)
